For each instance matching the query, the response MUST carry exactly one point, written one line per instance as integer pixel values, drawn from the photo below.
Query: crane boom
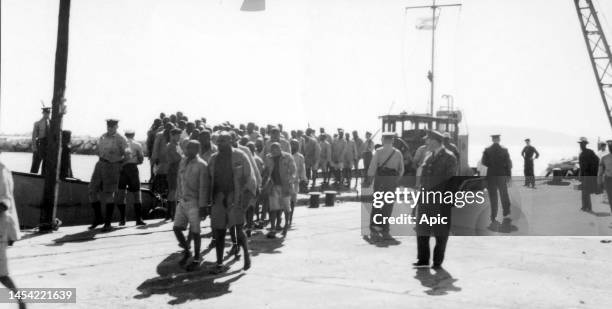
(599, 50)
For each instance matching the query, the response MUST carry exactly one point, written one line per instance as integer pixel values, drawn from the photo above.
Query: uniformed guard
(438, 171)
(129, 180)
(589, 163)
(499, 168)
(528, 157)
(39, 140)
(112, 149)
(386, 169)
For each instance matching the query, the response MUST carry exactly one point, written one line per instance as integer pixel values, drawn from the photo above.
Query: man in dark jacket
(528, 156)
(589, 163)
(499, 166)
(438, 171)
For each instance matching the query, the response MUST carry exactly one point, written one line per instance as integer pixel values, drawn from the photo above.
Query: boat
(73, 206)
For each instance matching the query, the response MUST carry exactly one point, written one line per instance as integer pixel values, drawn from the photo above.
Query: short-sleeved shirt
(606, 164)
(112, 147)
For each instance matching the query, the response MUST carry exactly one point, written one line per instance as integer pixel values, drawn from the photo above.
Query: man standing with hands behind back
(497, 160)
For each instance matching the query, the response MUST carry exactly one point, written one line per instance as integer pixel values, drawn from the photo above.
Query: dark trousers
(495, 184)
(528, 171)
(367, 158)
(438, 252)
(386, 211)
(39, 155)
(608, 188)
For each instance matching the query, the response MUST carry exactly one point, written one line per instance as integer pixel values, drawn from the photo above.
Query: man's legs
(9, 284)
(608, 187)
(503, 194)
(110, 208)
(242, 241)
(423, 250)
(492, 188)
(219, 235)
(586, 199)
(36, 160)
(439, 250)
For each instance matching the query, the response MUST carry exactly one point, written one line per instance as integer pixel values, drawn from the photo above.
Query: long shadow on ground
(185, 285)
(440, 282)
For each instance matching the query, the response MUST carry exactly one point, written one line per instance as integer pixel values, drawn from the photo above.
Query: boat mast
(434, 20)
(433, 56)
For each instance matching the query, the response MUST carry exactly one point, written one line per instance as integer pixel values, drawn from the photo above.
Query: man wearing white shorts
(192, 191)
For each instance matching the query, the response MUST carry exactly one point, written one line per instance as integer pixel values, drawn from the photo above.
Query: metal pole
(433, 56)
(53, 158)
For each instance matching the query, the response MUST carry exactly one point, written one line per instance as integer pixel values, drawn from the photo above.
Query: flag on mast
(427, 23)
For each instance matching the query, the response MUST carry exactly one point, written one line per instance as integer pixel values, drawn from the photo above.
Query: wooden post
(53, 158)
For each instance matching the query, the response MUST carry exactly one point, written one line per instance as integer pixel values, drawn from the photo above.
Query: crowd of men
(244, 177)
(247, 176)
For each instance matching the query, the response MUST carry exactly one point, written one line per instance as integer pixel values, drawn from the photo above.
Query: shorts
(105, 177)
(3, 258)
(187, 213)
(129, 178)
(225, 213)
(278, 201)
(336, 165)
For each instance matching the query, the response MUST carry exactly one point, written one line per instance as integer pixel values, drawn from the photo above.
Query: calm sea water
(83, 165)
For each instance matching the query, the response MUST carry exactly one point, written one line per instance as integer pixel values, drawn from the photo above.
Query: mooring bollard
(314, 199)
(330, 198)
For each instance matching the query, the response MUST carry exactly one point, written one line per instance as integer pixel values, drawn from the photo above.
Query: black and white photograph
(305, 154)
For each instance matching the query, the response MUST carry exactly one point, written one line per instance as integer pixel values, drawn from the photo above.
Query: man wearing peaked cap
(437, 174)
(499, 168)
(589, 163)
(528, 154)
(39, 140)
(112, 152)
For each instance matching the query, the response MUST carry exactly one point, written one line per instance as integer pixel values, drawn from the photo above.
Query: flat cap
(111, 121)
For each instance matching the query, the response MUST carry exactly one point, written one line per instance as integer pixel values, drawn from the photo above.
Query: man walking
(438, 170)
(129, 180)
(386, 169)
(192, 191)
(589, 163)
(280, 172)
(528, 157)
(312, 152)
(39, 141)
(174, 155)
(499, 167)
(112, 148)
(324, 160)
(230, 171)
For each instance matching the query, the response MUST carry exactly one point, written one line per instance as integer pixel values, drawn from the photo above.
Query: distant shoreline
(21, 143)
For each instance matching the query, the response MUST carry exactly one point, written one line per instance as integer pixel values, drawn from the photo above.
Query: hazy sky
(332, 63)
